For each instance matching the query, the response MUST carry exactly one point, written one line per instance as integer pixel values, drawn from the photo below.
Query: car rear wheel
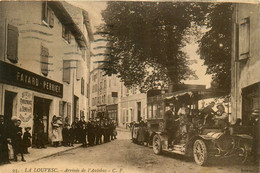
(157, 144)
(200, 152)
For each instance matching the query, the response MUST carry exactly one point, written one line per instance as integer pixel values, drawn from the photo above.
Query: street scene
(129, 86)
(127, 158)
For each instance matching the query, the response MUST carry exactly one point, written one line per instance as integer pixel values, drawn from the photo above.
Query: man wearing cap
(4, 157)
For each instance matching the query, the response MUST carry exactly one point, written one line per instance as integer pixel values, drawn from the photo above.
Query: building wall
(32, 34)
(101, 88)
(128, 107)
(244, 72)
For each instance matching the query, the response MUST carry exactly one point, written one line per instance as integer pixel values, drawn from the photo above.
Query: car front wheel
(157, 144)
(200, 152)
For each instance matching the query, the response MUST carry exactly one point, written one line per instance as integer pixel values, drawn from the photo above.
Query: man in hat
(17, 142)
(4, 157)
(221, 117)
(39, 130)
(27, 140)
(82, 132)
(207, 114)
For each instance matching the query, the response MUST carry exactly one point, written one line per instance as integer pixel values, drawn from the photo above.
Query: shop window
(244, 39)
(66, 71)
(82, 85)
(66, 34)
(12, 43)
(250, 101)
(44, 60)
(47, 15)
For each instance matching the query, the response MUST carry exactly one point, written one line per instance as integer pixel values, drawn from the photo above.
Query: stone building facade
(245, 92)
(44, 61)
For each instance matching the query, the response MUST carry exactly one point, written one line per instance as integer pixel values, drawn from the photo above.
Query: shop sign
(26, 107)
(17, 76)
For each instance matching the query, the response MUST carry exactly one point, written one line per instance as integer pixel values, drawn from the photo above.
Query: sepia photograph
(94, 86)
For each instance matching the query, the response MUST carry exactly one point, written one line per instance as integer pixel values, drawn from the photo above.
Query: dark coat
(27, 139)
(4, 157)
(17, 140)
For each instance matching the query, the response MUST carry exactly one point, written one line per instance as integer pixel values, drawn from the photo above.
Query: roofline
(65, 18)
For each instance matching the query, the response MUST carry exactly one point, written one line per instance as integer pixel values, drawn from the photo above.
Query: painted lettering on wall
(26, 107)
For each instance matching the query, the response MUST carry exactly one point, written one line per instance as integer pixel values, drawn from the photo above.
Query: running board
(176, 152)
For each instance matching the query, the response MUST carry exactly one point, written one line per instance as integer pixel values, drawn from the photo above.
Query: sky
(95, 8)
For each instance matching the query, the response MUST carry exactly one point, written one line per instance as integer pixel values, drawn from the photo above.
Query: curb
(44, 157)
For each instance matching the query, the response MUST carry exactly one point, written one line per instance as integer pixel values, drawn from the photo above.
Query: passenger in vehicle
(221, 118)
(183, 116)
(207, 115)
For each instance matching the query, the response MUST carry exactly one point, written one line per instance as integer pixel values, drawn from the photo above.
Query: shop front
(28, 97)
(112, 111)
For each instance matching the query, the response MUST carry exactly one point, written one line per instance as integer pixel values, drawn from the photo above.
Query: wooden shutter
(44, 60)
(82, 85)
(61, 108)
(79, 70)
(66, 71)
(63, 31)
(51, 18)
(244, 39)
(44, 11)
(69, 109)
(12, 43)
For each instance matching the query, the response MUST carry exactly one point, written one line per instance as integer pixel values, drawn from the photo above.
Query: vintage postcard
(129, 86)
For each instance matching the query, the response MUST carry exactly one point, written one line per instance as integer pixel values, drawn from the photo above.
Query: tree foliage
(215, 45)
(146, 41)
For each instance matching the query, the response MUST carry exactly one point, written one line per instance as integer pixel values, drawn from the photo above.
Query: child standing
(27, 139)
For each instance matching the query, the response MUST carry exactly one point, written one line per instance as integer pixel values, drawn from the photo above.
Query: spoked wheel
(157, 144)
(200, 152)
(243, 154)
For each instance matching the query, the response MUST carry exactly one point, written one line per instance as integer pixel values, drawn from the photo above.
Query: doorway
(75, 108)
(9, 105)
(139, 108)
(41, 109)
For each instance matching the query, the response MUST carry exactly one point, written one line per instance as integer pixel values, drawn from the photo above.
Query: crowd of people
(88, 133)
(15, 141)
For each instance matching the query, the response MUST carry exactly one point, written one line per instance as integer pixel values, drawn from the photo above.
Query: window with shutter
(66, 71)
(66, 34)
(69, 109)
(244, 39)
(12, 43)
(79, 70)
(61, 112)
(82, 85)
(47, 15)
(44, 60)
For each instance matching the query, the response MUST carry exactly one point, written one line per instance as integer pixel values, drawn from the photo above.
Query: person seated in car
(207, 115)
(221, 118)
